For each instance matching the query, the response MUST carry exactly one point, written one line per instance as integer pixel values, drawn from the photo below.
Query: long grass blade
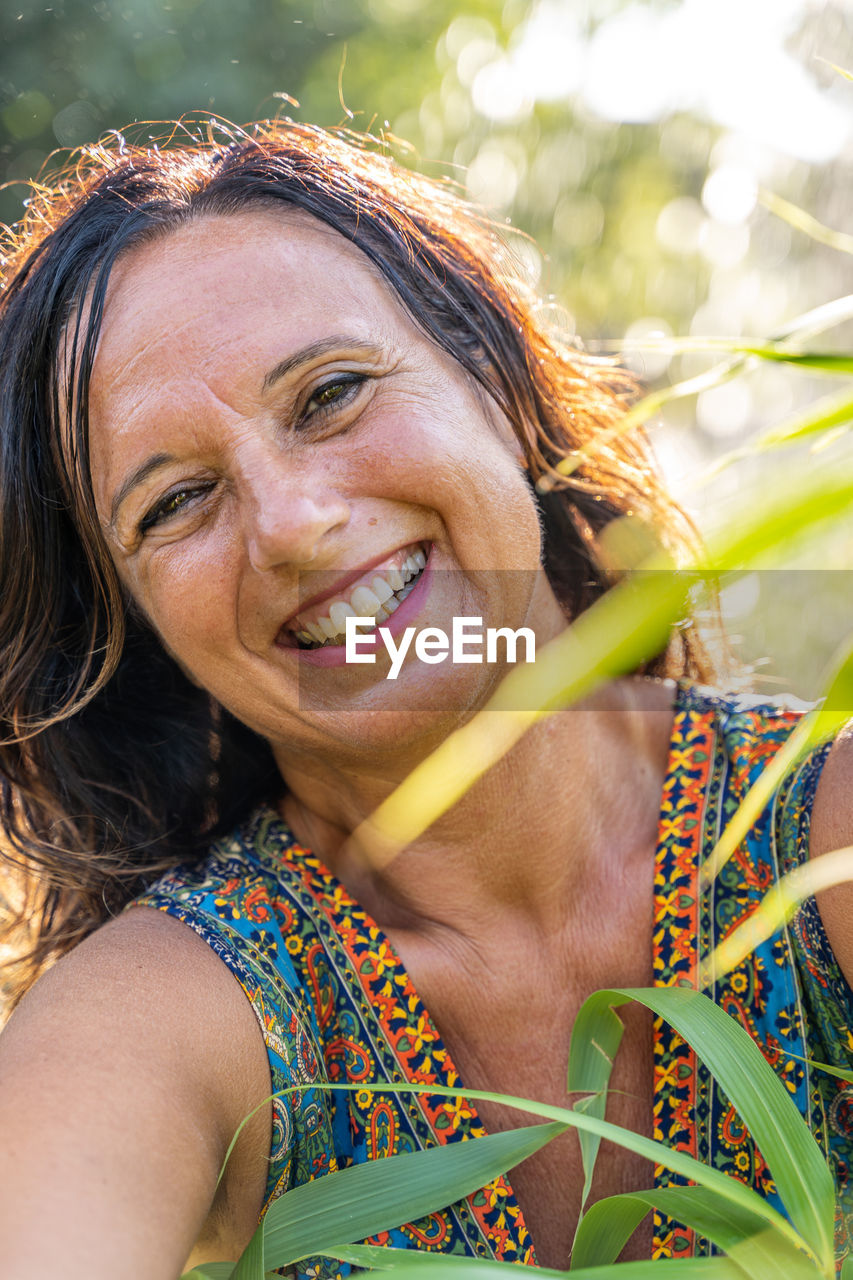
(758, 1249)
(591, 1059)
(364, 1199)
(658, 1152)
(793, 1156)
(642, 411)
(605, 1229)
(211, 1271)
(802, 221)
(353, 1203)
(448, 1266)
(819, 361)
(779, 905)
(760, 349)
(774, 522)
(822, 423)
(624, 628)
(815, 727)
(842, 71)
(803, 327)
(829, 412)
(838, 1072)
(251, 1264)
(677, 1161)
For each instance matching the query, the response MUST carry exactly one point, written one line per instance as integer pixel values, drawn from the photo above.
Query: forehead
(263, 278)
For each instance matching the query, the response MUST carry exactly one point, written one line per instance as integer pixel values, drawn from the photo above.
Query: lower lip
(336, 655)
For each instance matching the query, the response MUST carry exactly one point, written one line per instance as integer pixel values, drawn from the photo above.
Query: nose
(291, 510)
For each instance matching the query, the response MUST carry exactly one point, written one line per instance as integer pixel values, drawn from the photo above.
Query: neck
(561, 819)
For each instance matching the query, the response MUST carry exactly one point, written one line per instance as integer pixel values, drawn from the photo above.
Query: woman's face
(270, 432)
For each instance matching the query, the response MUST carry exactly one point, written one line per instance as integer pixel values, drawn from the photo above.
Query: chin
(383, 743)
(391, 731)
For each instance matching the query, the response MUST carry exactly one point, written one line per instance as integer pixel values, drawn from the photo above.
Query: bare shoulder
(832, 828)
(123, 1075)
(145, 980)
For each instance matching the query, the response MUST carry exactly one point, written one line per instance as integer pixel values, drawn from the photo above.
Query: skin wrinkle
(218, 580)
(455, 470)
(308, 355)
(578, 798)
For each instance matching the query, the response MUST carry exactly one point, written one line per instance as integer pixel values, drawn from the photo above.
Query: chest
(510, 1034)
(548, 1185)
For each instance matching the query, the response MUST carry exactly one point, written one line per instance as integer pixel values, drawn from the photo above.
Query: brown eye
(331, 395)
(171, 505)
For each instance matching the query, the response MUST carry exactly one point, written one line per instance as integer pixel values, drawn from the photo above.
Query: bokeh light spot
(28, 114)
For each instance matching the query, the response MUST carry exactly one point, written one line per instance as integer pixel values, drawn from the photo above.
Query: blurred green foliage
(590, 191)
(643, 211)
(75, 69)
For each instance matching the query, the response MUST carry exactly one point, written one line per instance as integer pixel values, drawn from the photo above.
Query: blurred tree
(547, 110)
(73, 70)
(588, 191)
(628, 138)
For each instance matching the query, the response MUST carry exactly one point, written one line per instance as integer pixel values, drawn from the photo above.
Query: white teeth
(378, 601)
(339, 613)
(382, 590)
(365, 603)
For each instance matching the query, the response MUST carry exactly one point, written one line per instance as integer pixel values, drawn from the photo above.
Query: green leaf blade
(793, 1156)
(211, 1271)
(251, 1264)
(762, 1252)
(353, 1203)
(594, 1043)
(448, 1266)
(678, 1162)
(605, 1229)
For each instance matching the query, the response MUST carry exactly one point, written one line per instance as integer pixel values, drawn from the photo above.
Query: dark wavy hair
(113, 766)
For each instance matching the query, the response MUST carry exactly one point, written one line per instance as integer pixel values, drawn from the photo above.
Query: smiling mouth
(375, 595)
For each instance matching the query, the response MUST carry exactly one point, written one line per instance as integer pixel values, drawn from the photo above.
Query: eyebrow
(313, 351)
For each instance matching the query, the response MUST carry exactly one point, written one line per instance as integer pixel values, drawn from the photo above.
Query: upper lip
(346, 580)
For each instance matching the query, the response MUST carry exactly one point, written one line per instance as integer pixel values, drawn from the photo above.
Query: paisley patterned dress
(335, 1002)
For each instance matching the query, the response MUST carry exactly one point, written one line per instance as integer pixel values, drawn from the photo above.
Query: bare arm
(123, 1076)
(832, 828)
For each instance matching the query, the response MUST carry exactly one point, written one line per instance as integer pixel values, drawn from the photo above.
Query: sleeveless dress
(335, 1002)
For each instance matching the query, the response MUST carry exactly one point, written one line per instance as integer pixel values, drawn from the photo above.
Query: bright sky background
(723, 59)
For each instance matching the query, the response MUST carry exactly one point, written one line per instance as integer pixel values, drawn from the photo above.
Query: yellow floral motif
(422, 1035)
(458, 1111)
(365, 999)
(666, 1077)
(381, 959)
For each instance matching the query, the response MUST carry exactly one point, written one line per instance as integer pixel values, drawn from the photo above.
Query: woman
(241, 386)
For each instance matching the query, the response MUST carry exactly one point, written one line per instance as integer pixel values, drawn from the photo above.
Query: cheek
(185, 598)
(433, 445)
(466, 471)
